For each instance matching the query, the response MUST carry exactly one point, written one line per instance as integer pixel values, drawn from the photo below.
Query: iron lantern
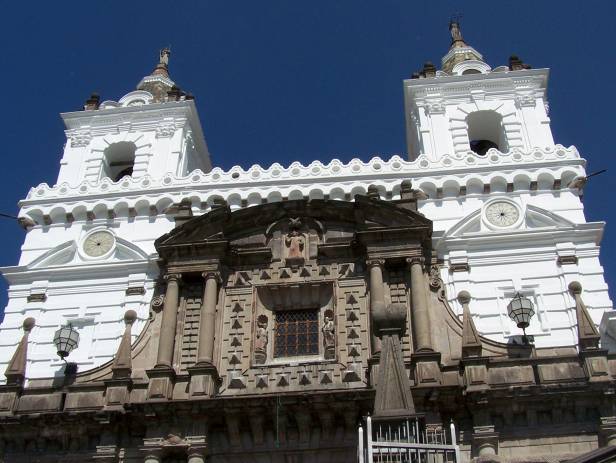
(521, 310)
(66, 339)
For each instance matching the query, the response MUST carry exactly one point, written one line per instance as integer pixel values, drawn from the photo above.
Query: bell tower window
(119, 160)
(485, 131)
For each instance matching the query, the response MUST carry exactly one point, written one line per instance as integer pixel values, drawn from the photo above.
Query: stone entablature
(451, 176)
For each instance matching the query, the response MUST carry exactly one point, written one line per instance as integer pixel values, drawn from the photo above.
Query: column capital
(211, 274)
(375, 262)
(177, 277)
(196, 454)
(151, 457)
(416, 260)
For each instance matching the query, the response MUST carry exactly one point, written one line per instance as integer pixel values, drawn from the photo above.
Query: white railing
(406, 441)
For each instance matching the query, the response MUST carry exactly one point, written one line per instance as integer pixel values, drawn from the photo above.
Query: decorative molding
(79, 137)
(567, 260)
(165, 129)
(135, 291)
(436, 107)
(525, 100)
(459, 267)
(37, 297)
(336, 180)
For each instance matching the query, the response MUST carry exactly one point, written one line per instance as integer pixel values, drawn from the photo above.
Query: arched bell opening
(485, 131)
(119, 160)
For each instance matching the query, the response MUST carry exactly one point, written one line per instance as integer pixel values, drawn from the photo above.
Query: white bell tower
(154, 130)
(468, 106)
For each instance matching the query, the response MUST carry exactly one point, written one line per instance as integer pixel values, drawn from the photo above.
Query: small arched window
(119, 160)
(485, 131)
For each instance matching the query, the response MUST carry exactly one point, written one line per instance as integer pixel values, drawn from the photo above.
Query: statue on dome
(164, 56)
(454, 29)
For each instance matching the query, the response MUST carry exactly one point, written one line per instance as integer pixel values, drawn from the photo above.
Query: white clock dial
(502, 214)
(98, 243)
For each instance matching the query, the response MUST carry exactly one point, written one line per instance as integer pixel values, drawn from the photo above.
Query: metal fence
(406, 441)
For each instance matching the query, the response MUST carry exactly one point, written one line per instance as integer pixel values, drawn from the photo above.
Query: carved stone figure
(295, 243)
(261, 338)
(164, 56)
(329, 338)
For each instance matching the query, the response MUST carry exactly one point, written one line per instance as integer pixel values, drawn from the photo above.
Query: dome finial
(164, 56)
(162, 68)
(455, 31)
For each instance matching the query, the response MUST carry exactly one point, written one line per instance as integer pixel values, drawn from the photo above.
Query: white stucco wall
(534, 175)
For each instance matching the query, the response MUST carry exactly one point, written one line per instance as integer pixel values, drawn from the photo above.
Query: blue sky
(278, 81)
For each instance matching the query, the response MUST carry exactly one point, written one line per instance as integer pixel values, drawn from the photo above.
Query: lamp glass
(66, 339)
(521, 310)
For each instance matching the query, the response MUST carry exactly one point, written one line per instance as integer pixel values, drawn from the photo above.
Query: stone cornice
(23, 274)
(496, 82)
(332, 178)
(106, 118)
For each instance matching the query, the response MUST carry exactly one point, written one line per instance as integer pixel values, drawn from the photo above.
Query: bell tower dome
(468, 106)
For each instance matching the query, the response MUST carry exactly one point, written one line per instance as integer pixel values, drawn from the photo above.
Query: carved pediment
(326, 221)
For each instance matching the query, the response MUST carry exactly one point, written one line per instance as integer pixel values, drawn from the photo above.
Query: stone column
(169, 322)
(607, 430)
(420, 314)
(195, 456)
(377, 298)
(208, 319)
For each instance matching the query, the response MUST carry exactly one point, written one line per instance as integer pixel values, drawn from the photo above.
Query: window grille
(296, 333)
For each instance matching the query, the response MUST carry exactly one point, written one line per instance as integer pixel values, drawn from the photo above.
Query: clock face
(98, 243)
(502, 214)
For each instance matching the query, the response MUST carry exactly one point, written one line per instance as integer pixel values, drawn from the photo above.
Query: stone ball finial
(28, 324)
(130, 316)
(575, 287)
(464, 297)
(406, 185)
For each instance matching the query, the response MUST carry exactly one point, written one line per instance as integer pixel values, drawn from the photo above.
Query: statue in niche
(295, 243)
(261, 338)
(329, 338)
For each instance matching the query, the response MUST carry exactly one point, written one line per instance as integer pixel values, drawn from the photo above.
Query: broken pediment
(221, 224)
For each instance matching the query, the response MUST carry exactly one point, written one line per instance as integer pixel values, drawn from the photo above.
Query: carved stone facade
(269, 314)
(204, 380)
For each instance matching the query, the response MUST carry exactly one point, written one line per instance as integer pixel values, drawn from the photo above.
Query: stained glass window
(296, 333)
